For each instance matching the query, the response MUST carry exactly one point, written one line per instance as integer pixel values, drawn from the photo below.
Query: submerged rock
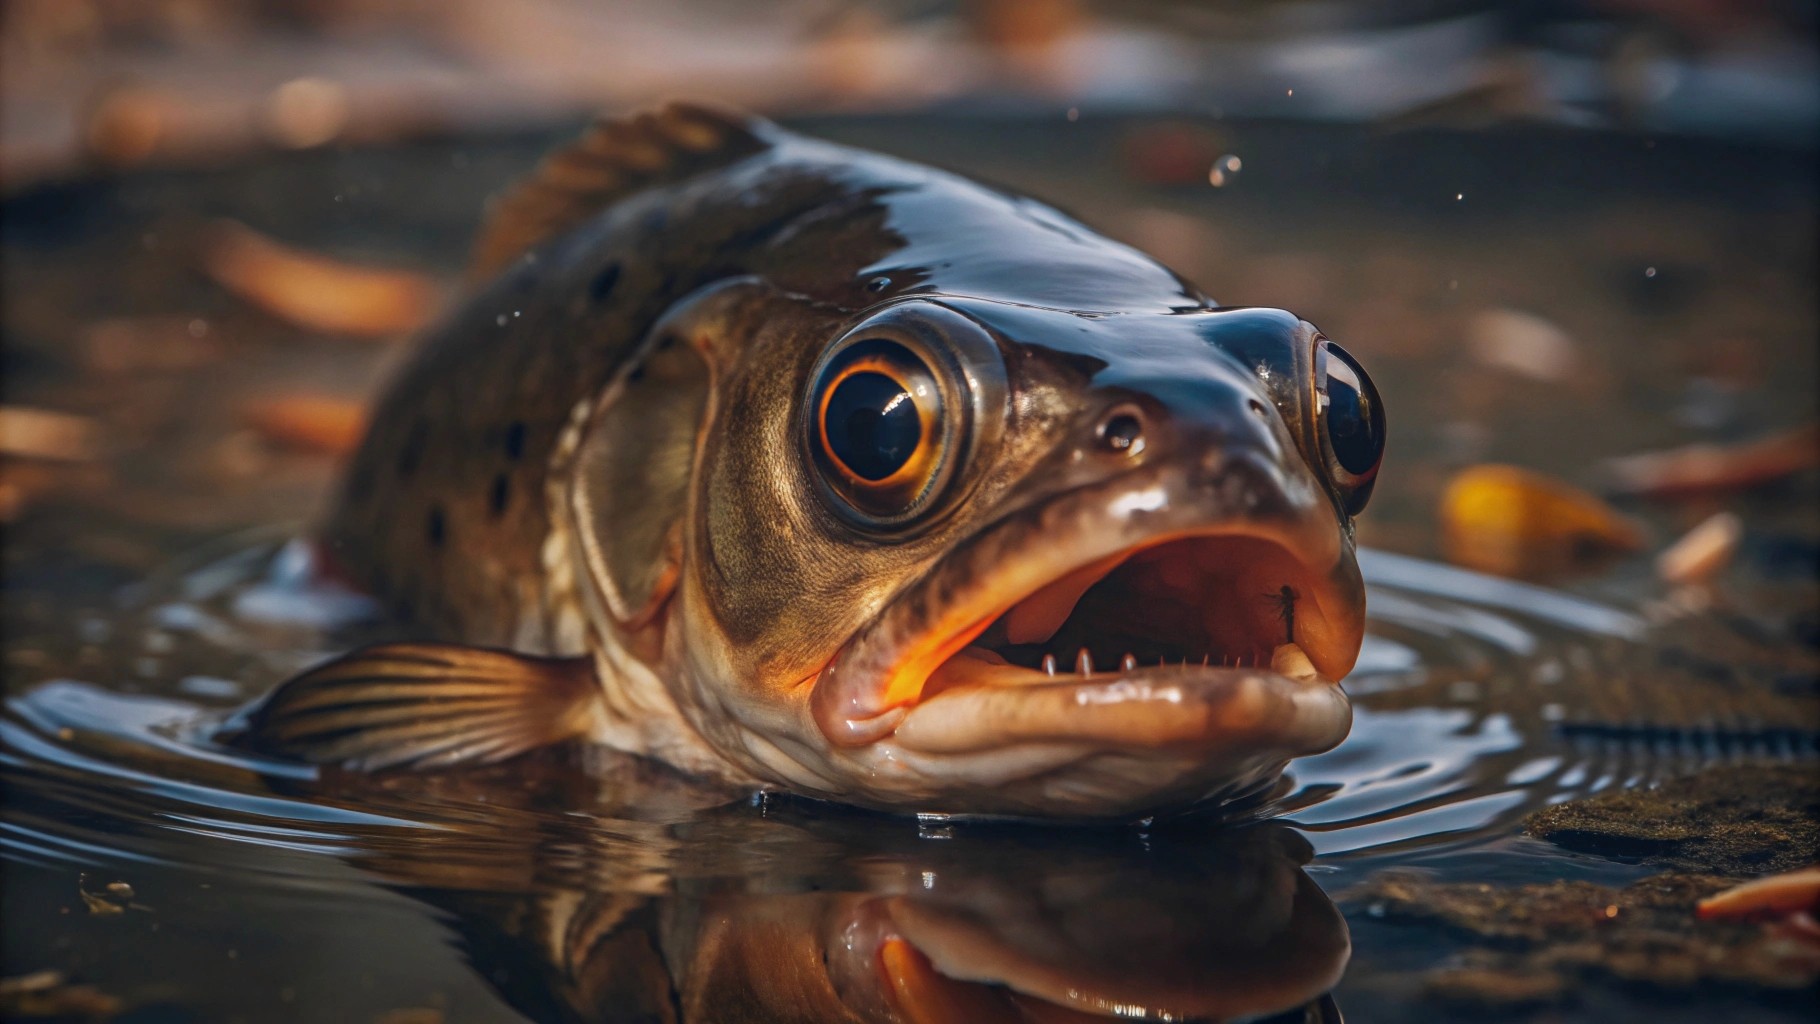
(1735, 820)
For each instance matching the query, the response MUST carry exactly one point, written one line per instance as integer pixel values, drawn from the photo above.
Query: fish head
(956, 554)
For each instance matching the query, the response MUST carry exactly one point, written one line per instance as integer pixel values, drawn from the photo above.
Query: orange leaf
(1707, 468)
(1517, 522)
(314, 291)
(314, 423)
(1776, 896)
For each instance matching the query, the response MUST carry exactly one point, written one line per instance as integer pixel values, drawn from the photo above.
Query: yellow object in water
(1517, 522)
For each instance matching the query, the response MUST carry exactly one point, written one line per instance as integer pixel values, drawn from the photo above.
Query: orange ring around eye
(905, 484)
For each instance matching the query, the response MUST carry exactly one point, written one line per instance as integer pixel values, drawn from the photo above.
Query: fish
(802, 468)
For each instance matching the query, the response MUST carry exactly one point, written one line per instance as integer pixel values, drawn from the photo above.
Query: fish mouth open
(1157, 612)
(1214, 601)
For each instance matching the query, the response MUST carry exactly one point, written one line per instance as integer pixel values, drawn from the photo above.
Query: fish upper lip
(879, 676)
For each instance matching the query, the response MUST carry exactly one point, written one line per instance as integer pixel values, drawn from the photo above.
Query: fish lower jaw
(974, 705)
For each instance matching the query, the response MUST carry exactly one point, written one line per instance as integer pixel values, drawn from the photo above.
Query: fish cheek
(632, 471)
(787, 580)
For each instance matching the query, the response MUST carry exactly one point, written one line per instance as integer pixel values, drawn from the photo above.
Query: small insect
(1285, 599)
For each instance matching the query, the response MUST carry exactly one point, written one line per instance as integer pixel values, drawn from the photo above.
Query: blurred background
(129, 81)
(1558, 231)
(1574, 243)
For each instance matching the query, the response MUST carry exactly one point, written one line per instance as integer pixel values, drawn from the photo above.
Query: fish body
(802, 467)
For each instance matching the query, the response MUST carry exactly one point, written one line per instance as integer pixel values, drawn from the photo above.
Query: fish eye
(880, 427)
(900, 413)
(1351, 424)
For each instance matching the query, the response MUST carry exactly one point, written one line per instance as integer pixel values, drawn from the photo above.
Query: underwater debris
(1710, 468)
(1703, 552)
(313, 291)
(30, 433)
(106, 900)
(50, 995)
(1781, 896)
(1522, 344)
(1511, 521)
(1735, 820)
(312, 423)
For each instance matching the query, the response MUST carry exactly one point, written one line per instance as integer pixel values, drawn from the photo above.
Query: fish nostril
(1258, 408)
(1123, 433)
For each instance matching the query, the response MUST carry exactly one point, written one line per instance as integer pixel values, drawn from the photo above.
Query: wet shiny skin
(771, 616)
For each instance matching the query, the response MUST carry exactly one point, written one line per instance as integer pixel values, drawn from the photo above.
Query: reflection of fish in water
(794, 465)
(1010, 926)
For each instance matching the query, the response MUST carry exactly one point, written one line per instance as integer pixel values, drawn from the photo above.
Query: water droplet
(1225, 169)
(1457, 196)
(1074, 113)
(500, 320)
(1649, 272)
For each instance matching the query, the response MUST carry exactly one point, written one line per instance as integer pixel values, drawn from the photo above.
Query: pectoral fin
(423, 706)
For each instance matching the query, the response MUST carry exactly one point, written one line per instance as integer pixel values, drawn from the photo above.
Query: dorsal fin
(614, 158)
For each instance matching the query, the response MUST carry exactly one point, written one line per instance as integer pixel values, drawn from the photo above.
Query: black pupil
(1352, 422)
(872, 425)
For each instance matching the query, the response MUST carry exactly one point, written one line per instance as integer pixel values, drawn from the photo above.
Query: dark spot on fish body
(500, 495)
(601, 286)
(515, 440)
(636, 374)
(435, 527)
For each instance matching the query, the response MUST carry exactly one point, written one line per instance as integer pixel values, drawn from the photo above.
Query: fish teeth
(1128, 662)
(1049, 664)
(1083, 662)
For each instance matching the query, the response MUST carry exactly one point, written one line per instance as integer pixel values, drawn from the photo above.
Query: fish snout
(1211, 427)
